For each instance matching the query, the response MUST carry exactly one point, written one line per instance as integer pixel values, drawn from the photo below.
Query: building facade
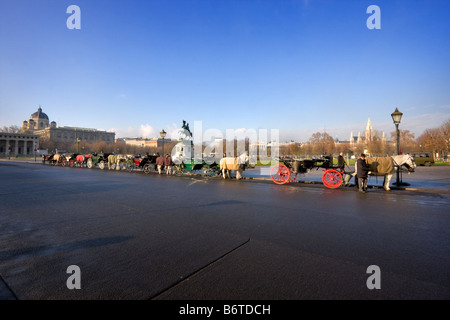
(144, 143)
(17, 144)
(40, 125)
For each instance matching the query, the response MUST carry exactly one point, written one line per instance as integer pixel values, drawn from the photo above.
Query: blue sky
(302, 66)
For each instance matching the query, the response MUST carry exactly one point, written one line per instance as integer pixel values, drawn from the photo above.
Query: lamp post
(78, 145)
(163, 134)
(397, 117)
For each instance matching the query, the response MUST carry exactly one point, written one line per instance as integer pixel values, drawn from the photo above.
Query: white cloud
(173, 132)
(147, 131)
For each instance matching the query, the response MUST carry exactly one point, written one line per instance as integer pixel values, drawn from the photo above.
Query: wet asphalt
(136, 236)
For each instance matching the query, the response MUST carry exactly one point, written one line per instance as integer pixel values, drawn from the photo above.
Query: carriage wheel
(331, 179)
(280, 174)
(292, 177)
(71, 163)
(208, 172)
(178, 171)
(89, 163)
(101, 164)
(129, 167)
(147, 169)
(63, 162)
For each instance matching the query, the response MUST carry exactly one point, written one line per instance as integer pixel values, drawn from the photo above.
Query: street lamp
(397, 117)
(78, 145)
(163, 134)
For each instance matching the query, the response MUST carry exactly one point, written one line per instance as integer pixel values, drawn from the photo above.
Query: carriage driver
(341, 161)
(362, 172)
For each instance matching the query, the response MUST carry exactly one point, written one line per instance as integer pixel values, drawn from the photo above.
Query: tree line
(435, 141)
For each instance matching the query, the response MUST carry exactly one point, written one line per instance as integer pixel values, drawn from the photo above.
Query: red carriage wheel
(292, 177)
(280, 174)
(63, 162)
(332, 179)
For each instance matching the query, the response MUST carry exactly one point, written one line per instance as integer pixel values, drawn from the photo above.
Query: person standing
(168, 164)
(341, 161)
(362, 172)
(159, 163)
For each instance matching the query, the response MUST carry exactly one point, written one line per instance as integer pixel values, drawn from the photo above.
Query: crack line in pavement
(8, 288)
(198, 270)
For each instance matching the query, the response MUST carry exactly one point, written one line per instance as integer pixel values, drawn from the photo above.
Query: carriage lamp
(397, 117)
(163, 134)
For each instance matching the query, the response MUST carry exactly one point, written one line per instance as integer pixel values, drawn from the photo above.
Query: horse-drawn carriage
(81, 160)
(97, 159)
(56, 159)
(47, 158)
(146, 163)
(205, 168)
(68, 159)
(287, 169)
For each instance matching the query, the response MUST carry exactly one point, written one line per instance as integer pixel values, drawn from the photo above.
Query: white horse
(386, 167)
(237, 164)
(115, 160)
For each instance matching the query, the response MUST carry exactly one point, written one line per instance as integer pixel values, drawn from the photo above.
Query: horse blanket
(112, 159)
(229, 163)
(380, 166)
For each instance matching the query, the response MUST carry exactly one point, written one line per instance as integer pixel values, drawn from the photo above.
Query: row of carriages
(284, 172)
(111, 161)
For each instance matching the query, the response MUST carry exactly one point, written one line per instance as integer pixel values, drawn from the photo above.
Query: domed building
(38, 121)
(40, 124)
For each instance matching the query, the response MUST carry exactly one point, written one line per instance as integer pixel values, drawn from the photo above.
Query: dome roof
(39, 114)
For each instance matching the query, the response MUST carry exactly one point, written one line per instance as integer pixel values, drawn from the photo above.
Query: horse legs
(347, 178)
(387, 181)
(238, 174)
(226, 173)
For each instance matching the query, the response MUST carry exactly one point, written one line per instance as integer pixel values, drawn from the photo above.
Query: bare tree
(10, 129)
(322, 143)
(436, 140)
(407, 141)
